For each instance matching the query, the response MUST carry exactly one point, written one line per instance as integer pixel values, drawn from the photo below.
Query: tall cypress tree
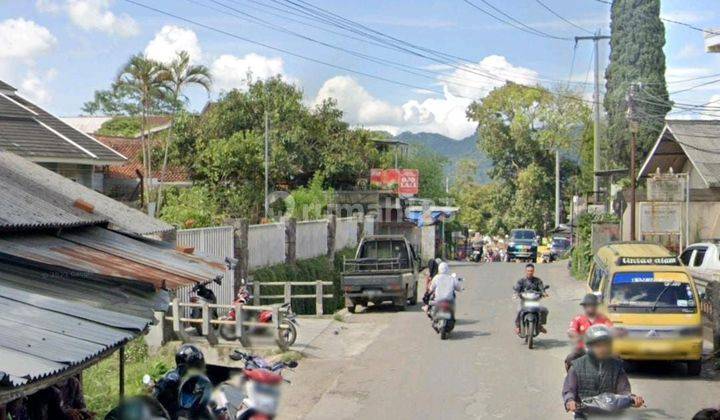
(636, 56)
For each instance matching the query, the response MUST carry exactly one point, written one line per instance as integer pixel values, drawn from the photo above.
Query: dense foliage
(636, 56)
(121, 126)
(519, 129)
(582, 252)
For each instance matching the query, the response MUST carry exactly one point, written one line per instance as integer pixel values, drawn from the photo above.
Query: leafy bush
(310, 270)
(100, 382)
(582, 253)
(190, 208)
(121, 127)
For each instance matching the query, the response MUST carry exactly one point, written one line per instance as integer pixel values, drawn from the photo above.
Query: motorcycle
(442, 314)
(476, 255)
(606, 404)
(532, 315)
(289, 324)
(261, 382)
(443, 319)
(203, 294)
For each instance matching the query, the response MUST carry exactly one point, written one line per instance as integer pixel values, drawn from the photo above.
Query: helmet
(590, 300)
(597, 334)
(443, 268)
(195, 393)
(189, 357)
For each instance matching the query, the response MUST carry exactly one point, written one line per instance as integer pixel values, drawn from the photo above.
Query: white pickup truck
(703, 261)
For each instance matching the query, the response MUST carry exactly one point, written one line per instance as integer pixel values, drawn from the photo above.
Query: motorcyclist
(596, 372)
(529, 283)
(444, 285)
(579, 325)
(166, 391)
(478, 243)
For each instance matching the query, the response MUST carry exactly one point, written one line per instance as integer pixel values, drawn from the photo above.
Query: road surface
(391, 365)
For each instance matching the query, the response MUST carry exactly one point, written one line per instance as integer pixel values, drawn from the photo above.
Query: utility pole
(557, 186)
(267, 163)
(634, 123)
(596, 109)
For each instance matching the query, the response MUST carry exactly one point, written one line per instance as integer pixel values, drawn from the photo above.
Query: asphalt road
(391, 365)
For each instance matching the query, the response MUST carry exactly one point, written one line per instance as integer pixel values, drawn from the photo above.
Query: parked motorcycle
(476, 255)
(606, 404)
(261, 382)
(203, 294)
(532, 315)
(289, 324)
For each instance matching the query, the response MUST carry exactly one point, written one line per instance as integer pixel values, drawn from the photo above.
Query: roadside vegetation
(100, 382)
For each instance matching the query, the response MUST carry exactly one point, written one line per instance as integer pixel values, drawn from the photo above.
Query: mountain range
(453, 150)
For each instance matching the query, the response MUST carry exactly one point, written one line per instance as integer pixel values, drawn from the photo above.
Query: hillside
(454, 150)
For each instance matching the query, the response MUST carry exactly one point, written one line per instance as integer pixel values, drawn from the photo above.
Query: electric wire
(559, 16)
(515, 23)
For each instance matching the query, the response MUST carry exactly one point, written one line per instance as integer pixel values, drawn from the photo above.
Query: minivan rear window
(648, 291)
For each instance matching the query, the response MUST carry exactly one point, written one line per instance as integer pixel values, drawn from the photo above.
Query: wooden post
(239, 318)
(256, 293)
(205, 319)
(241, 230)
(319, 298)
(121, 373)
(290, 240)
(276, 323)
(331, 227)
(288, 293)
(176, 315)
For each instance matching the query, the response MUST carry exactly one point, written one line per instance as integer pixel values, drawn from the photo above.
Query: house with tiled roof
(33, 133)
(124, 182)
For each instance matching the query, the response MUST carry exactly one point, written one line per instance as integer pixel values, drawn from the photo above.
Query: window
(596, 276)
(685, 257)
(699, 256)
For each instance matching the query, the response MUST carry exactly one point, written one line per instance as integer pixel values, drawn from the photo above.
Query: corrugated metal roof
(696, 140)
(46, 330)
(48, 200)
(6, 87)
(99, 252)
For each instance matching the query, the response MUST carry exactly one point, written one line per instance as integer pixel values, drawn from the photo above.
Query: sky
(58, 52)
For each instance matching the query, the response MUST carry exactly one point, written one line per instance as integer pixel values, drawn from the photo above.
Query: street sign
(666, 187)
(409, 181)
(665, 218)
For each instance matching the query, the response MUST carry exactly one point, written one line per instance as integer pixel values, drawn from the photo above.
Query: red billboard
(404, 181)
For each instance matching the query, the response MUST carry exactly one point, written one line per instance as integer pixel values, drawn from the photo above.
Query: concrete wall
(266, 245)
(346, 232)
(311, 239)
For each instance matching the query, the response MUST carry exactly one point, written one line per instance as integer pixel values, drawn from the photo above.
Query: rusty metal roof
(49, 324)
(32, 197)
(100, 253)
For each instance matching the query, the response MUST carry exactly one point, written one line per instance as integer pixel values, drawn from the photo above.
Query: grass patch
(100, 382)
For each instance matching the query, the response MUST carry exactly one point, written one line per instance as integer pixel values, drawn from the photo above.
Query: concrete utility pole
(596, 109)
(267, 163)
(634, 124)
(557, 186)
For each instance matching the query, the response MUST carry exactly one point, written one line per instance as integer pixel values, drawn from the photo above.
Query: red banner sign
(404, 181)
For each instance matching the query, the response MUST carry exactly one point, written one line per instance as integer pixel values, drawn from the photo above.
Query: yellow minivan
(652, 301)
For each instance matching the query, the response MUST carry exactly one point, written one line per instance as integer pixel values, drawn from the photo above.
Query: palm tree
(178, 75)
(143, 78)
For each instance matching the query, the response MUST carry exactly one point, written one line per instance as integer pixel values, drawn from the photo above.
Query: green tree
(176, 77)
(190, 207)
(636, 56)
(431, 168)
(143, 79)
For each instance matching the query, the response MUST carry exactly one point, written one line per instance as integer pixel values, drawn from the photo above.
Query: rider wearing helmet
(529, 283)
(580, 324)
(596, 372)
(187, 358)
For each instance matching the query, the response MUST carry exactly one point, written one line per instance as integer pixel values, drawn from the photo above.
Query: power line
(546, 7)
(517, 24)
(696, 86)
(282, 50)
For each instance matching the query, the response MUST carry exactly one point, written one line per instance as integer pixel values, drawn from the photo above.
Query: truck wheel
(414, 296)
(694, 367)
(351, 308)
(401, 303)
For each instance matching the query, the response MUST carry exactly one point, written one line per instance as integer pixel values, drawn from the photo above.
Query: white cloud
(170, 40)
(23, 42)
(94, 15)
(48, 6)
(34, 86)
(445, 115)
(24, 39)
(231, 72)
